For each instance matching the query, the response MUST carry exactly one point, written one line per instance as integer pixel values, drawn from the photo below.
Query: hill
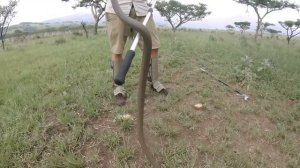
(210, 22)
(160, 21)
(75, 20)
(33, 27)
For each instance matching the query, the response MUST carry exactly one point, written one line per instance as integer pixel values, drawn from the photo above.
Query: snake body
(139, 27)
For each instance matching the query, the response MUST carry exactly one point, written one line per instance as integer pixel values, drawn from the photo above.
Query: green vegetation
(243, 26)
(291, 28)
(263, 8)
(7, 13)
(31, 28)
(56, 104)
(97, 8)
(178, 14)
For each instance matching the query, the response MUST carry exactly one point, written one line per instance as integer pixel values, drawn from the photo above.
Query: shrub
(60, 41)
(250, 70)
(77, 34)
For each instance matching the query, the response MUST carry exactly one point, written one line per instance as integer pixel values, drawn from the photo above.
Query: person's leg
(116, 63)
(153, 75)
(119, 90)
(117, 32)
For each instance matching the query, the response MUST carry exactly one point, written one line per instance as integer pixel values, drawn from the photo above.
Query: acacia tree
(230, 27)
(97, 8)
(178, 14)
(243, 26)
(264, 27)
(83, 25)
(7, 13)
(273, 32)
(291, 28)
(264, 7)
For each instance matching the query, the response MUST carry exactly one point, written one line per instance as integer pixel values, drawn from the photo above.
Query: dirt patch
(260, 150)
(96, 155)
(103, 123)
(53, 126)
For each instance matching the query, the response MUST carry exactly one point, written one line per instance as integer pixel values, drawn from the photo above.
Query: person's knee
(154, 53)
(116, 57)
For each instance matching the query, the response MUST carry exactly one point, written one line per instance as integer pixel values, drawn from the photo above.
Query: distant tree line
(268, 7)
(97, 9)
(175, 12)
(245, 25)
(262, 8)
(178, 14)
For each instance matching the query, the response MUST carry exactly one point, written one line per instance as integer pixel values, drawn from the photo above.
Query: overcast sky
(40, 10)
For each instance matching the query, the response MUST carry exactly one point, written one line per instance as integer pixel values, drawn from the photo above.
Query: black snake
(139, 27)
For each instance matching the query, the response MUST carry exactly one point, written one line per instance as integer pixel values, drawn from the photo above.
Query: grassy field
(57, 110)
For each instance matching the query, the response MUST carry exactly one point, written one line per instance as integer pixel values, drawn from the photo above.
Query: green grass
(56, 104)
